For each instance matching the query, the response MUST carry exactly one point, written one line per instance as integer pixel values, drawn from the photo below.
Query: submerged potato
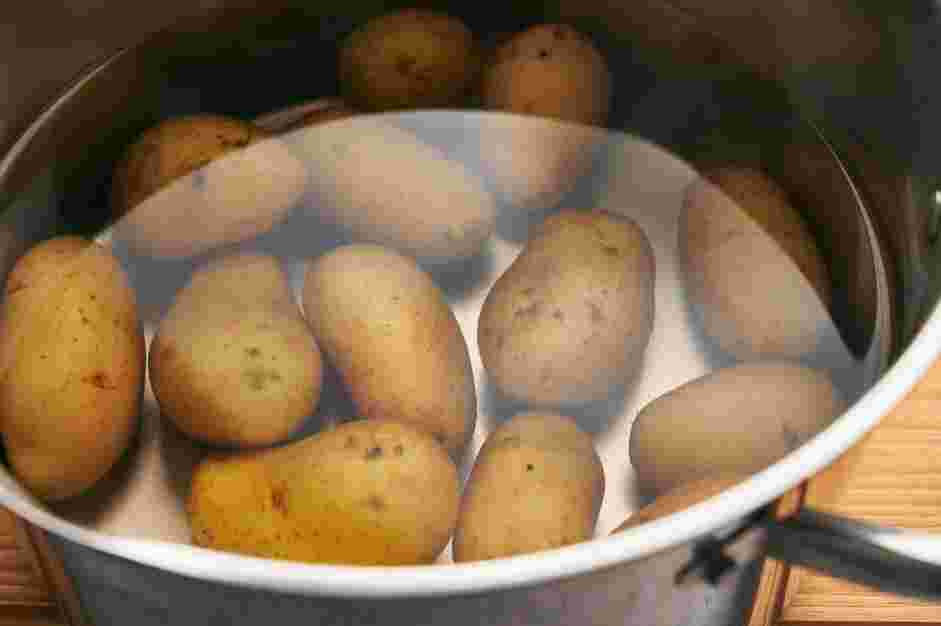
(408, 59)
(738, 419)
(192, 183)
(570, 319)
(553, 72)
(752, 270)
(383, 185)
(387, 328)
(682, 497)
(71, 366)
(537, 484)
(368, 492)
(233, 362)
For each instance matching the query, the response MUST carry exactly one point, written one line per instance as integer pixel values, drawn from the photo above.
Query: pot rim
(346, 581)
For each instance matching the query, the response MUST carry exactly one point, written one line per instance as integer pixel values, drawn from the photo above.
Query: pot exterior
(117, 591)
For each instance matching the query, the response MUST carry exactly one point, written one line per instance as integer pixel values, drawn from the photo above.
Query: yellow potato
(71, 366)
(751, 267)
(234, 362)
(409, 59)
(553, 72)
(368, 492)
(537, 484)
(193, 183)
(383, 185)
(738, 419)
(682, 497)
(571, 318)
(387, 328)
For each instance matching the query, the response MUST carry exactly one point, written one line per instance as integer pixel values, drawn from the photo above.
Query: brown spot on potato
(350, 442)
(529, 291)
(399, 449)
(405, 64)
(532, 309)
(544, 54)
(611, 251)
(279, 498)
(101, 380)
(376, 503)
(373, 453)
(253, 352)
(258, 378)
(597, 315)
(559, 33)
(530, 467)
(558, 315)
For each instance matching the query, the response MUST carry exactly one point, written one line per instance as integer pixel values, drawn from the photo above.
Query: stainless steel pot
(858, 72)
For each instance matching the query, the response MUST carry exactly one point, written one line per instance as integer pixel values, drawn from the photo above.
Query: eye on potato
(570, 319)
(409, 59)
(367, 492)
(192, 183)
(537, 484)
(233, 362)
(71, 366)
(387, 328)
(738, 419)
(752, 270)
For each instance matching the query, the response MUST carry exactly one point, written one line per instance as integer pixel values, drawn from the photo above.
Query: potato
(571, 317)
(386, 327)
(71, 366)
(233, 362)
(553, 72)
(753, 273)
(368, 492)
(549, 70)
(409, 59)
(537, 484)
(193, 183)
(738, 419)
(383, 185)
(682, 497)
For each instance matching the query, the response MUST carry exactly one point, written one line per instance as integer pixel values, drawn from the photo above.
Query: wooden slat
(893, 478)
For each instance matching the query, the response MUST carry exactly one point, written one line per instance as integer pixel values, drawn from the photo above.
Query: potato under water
(417, 184)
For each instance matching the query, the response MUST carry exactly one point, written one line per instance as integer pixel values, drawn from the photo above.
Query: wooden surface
(893, 477)
(34, 589)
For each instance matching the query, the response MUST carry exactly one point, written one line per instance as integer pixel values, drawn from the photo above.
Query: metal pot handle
(901, 562)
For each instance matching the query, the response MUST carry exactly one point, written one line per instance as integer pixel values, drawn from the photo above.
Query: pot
(858, 76)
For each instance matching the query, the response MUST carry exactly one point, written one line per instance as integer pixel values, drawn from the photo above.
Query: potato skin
(682, 497)
(752, 270)
(387, 328)
(549, 70)
(195, 182)
(571, 317)
(233, 362)
(368, 492)
(537, 484)
(738, 419)
(409, 59)
(383, 185)
(71, 366)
